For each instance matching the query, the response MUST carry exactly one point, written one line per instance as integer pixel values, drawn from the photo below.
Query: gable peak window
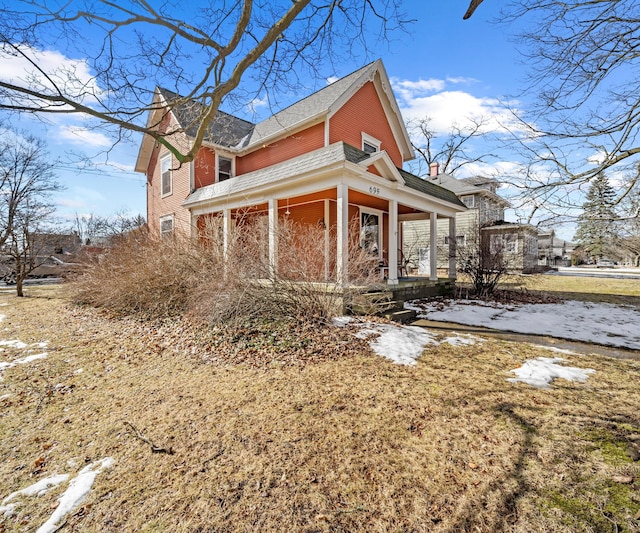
(370, 144)
(166, 186)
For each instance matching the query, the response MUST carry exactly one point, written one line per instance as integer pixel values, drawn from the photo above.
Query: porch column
(273, 236)
(453, 243)
(226, 228)
(433, 246)
(393, 242)
(342, 229)
(327, 237)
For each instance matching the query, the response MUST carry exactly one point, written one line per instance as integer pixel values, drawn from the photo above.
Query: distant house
(483, 219)
(552, 251)
(329, 160)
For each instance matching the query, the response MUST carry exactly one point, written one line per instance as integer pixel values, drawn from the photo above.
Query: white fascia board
(382, 161)
(145, 151)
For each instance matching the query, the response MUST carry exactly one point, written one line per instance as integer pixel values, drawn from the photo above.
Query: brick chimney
(434, 169)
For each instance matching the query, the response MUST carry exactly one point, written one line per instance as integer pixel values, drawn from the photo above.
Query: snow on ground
(600, 323)
(401, 344)
(19, 345)
(542, 371)
(75, 494)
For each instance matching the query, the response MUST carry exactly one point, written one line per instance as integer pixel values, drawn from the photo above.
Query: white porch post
(452, 247)
(433, 246)
(342, 229)
(327, 236)
(226, 228)
(273, 236)
(393, 242)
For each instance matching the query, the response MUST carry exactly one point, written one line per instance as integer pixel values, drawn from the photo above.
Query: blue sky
(444, 67)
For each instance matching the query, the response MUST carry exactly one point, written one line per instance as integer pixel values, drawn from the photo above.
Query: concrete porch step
(401, 315)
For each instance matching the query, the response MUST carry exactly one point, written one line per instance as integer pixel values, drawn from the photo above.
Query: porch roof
(319, 160)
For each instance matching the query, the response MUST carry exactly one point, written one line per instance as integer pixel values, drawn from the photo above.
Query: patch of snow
(76, 492)
(10, 364)
(5, 396)
(401, 344)
(542, 371)
(37, 489)
(462, 340)
(600, 323)
(14, 344)
(341, 321)
(79, 371)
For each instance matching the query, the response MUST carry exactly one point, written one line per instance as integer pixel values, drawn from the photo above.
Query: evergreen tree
(597, 229)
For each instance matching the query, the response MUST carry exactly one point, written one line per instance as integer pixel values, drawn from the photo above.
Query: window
(469, 200)
(507, 243)
(224, 168)
(370, 144)
(165, 171)
(370, 232)
(460, 240)
(166, 226)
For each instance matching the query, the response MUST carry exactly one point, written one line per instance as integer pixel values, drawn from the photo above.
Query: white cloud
(71, 76)
(445, 105)
(84, 136)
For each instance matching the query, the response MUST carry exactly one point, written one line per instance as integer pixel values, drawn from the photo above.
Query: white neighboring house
(484, 214)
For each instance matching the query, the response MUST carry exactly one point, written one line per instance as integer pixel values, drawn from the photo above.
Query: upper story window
(166, 177)
(469, 200)
(225, 168)
(370, 144)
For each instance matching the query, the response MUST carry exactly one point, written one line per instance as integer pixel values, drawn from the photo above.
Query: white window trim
(226, 155)
(379, 214)
(366, 138)
(163, 159)
(473, 200)
(173, 225)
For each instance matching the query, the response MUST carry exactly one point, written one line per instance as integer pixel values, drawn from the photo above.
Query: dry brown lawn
(307, 432)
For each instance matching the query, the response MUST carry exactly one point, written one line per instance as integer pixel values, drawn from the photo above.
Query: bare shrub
(142, 274)
(230, 283)
(302, 284)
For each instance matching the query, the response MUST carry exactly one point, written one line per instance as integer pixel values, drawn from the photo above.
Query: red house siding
(364, 113)
(282, 149)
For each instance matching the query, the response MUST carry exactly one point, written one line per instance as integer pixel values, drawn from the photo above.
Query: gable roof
(239, 135)
(466, 186)
(310, 162)
(224, 129)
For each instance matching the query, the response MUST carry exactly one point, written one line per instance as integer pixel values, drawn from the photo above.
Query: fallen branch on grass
(154, 447)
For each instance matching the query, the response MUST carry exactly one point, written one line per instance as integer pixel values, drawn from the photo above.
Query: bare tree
(201, 53)
(27, 181)
(585, 58)
(91, 228)
(451, 151)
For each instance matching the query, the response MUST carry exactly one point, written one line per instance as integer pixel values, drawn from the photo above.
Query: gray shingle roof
(224, 129)
(428, 187)
(233, 132)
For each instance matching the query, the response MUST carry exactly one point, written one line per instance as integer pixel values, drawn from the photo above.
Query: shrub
(159, 277)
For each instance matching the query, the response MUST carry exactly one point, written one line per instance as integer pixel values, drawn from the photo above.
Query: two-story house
(330, 159)
(483, 220)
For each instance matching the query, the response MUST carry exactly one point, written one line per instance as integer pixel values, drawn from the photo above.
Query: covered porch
(353, 199)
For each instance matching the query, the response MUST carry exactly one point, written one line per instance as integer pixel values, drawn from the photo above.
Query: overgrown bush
(158, 277)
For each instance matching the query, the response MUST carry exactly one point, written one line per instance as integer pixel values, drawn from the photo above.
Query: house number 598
(374, 190)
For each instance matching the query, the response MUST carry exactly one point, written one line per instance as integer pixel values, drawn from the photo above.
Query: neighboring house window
(166, 226)
(460, 240)
(468, 200)
(507, 243)
(371, 232)
(370, 144)
(165, 171)
(225, 170)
